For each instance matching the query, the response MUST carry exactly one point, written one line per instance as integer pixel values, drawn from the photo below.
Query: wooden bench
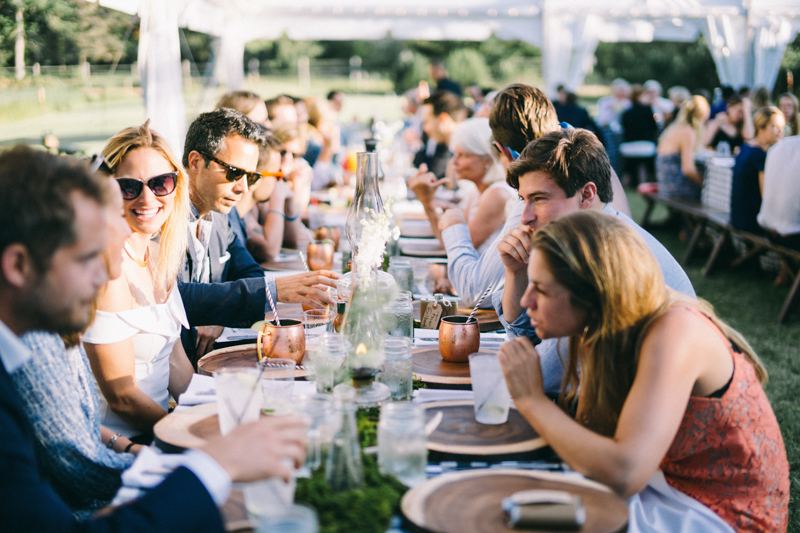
(700, 217)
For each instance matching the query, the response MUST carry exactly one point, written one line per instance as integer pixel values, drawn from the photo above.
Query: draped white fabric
(747, 38)
(160, 70)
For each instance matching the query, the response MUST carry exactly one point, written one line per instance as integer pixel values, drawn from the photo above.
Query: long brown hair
(174, 234)
(610, 272)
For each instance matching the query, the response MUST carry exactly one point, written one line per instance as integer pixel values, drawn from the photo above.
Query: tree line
(69, 32)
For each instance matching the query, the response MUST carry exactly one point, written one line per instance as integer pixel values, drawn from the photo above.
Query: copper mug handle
(259, 352)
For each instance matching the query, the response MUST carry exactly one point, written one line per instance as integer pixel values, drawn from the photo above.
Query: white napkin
(438, 395)
(200, 390)
(237, 334)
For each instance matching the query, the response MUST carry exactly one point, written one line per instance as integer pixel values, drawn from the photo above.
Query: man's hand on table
(424, 185)
(255, 451)
(515, 248)
(451, 217)
(206, 335)
(308, 288)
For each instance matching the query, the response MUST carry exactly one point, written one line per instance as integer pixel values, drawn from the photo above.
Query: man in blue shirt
(558, 174)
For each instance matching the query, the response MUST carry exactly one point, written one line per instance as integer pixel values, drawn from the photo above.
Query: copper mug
(287, 341)
(459, 336)
(320, 255)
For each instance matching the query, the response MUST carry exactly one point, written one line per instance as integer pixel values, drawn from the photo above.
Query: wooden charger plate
(469, 501)
(242, 354)
(460, 434)
(429, 367)
(189, 428)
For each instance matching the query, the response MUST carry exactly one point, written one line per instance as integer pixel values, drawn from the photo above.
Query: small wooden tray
(238, 355)
(469, 501)
(429, 367)
(189, 428)
(460, 434)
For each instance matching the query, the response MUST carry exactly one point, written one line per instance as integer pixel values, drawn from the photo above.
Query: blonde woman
(670, 406)
(133, 343)
(475, 160)
(676, 171)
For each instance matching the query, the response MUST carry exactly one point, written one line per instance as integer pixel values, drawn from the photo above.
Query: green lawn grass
(746, 299)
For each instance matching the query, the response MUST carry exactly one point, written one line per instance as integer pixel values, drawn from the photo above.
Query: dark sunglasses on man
(161, 185)
(233, 173)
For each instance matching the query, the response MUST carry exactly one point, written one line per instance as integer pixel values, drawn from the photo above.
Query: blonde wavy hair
(174, 233)
(692, 112)
(610, 272)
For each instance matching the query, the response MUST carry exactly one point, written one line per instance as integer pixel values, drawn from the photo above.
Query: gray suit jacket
(235, 298)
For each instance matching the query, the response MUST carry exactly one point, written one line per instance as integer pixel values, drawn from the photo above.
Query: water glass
(328, 361)
(400, 316)
(401, 442)
(267, 496)
(397, 367)
(289, 519)
(402, 271)
(420, 268)
(321, 415)
(276, 386)
(261, 497)
(239, 397)
(489, 386)
(317, 322)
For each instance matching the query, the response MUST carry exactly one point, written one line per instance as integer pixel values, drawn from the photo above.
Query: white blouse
(155, 329)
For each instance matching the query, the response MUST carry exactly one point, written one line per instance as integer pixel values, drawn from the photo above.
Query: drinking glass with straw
(239, 396)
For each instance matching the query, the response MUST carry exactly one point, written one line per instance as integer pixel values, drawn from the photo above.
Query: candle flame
(361, 349)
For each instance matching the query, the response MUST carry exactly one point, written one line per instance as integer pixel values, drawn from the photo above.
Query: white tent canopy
(747, 38)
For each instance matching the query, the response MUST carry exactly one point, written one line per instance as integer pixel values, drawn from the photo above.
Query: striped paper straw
(480, 300)
(273, 306)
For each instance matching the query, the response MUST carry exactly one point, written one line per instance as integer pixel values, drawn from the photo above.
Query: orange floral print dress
(729, 455)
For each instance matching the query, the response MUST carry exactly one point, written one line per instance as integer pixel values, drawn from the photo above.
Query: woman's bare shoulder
(683, 328)
(494, 195)
(115, 296)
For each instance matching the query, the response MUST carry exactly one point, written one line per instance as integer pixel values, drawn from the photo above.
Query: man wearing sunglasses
(220, 157)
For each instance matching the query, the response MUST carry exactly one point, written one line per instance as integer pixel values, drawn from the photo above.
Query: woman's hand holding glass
(522, 370)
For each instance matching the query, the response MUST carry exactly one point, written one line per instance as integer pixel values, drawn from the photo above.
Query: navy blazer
(28, 504)
(237, 295)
